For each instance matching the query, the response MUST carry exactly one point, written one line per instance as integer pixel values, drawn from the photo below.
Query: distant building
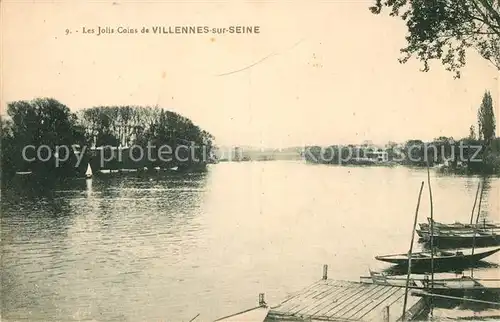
(380, 156)
(237, 154)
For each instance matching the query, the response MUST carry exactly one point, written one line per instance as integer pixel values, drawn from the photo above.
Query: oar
(432, 232)
(475, 230)
(410, 251)
(475, 201)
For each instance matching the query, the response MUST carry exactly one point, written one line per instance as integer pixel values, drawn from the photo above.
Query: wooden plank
(332, 300)
(326, 299)
(374, 300)
(395, 311)
(379, 304)
(331, 287)
(308, 301)
(357, 288)
(397, 306)
(352, 290)
(325, 287)
(302, 299)
(342, 300)
(415, 309)
(377, 314)
(298, 293)
(281, 317)
(322, 300)
(313, 297)
(355, 302)
(298, 297)
(348, 301)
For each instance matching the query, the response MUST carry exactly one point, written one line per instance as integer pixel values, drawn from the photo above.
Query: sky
(317, 73)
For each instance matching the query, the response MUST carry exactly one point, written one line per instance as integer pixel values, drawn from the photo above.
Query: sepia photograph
(258, 161)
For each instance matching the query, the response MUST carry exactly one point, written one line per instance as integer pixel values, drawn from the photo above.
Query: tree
(393, 150)
(486, 119)
(6, 146)
(444, 29)
(472, 133)
(136, 125)
(40, 122)
(414, 152)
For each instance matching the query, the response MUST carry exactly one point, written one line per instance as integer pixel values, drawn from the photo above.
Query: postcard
(250, 160)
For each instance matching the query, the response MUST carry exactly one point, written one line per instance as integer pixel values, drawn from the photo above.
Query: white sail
(88, 173)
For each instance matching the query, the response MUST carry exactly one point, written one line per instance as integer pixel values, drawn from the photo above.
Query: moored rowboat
(453, 239)
(441, 258)
(426, 232)
(457, 226)
(445, 286)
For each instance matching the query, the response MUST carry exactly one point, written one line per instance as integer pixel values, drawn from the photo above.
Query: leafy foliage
(130, 125)
(444, 29)
(472, 132)
(486, 119)
(42, 121)
(45, 121)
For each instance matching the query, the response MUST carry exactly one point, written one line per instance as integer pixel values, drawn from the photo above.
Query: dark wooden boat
(459, 235)
(425, 232)
(459, 258)
(456, 239)
(458, 226)
(453, 235)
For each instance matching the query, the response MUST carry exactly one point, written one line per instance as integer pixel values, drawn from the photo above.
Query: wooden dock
(331, 300)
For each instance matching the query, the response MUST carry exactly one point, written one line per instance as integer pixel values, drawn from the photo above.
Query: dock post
(325, 272)
(261, 300)
(386, 314)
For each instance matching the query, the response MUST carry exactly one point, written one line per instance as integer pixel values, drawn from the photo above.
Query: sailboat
(88, 173)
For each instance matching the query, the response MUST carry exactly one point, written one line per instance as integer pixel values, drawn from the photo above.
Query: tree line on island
(49, 123)
(478, 153)
(447, 31)
(440, 30)
(444, 31)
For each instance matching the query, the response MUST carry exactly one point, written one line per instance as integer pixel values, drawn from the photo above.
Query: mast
(88, 172)
(410, 252)
(475, 228)
(432, 230)
(475, 201)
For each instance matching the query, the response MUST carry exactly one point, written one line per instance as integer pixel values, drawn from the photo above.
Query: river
(166, 248)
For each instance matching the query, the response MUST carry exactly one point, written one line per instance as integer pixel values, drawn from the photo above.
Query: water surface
(166, 248)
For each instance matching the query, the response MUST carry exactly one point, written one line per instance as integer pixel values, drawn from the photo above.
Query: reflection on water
(106, 247)
(149, 248)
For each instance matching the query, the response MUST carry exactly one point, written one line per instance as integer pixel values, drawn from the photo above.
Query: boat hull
(439, 262)
(458, 226)
(457, 241)
(459, 287)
